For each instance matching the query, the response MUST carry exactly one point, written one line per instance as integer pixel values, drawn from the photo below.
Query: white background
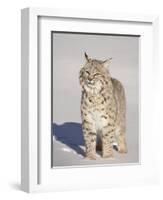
(10, 97)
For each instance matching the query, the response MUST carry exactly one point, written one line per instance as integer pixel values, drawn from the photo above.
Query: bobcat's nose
(90, 81)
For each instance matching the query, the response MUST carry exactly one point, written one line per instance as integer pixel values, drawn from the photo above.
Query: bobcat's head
(94, 75)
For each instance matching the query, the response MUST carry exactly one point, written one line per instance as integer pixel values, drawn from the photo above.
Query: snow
(69, 150)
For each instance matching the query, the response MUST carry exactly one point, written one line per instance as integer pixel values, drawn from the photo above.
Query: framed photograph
(89, 87)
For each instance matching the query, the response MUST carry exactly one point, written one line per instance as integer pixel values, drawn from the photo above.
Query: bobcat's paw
(91, 157)
(122, 149)
(109, 155)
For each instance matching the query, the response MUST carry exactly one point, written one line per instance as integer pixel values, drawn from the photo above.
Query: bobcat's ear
(86, 57)
(107, 62)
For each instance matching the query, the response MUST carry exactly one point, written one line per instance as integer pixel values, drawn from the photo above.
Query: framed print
(69, 139)
(87, 106)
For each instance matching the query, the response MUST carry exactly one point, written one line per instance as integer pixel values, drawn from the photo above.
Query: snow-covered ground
(68, 147)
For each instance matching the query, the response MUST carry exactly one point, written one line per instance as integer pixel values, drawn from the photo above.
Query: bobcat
(103, 109)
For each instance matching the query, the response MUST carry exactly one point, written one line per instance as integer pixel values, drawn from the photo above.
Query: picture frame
(37, 173)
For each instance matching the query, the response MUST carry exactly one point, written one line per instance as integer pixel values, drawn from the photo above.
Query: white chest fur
(96, 120)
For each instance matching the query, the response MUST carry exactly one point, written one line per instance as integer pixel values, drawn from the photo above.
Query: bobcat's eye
(97, 74)
(87, 72)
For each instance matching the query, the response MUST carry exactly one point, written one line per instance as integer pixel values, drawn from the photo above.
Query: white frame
(36, 174)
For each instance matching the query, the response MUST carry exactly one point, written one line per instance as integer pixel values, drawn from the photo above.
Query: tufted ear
(86, 57)
(107, 62)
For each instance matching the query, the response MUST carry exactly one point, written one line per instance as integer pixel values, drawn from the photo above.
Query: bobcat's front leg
(107, 137)
(90, 141)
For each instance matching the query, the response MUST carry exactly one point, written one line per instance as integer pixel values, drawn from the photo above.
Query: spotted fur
(102, 109)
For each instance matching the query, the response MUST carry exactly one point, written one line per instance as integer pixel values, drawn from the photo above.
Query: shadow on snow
(70, 133)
